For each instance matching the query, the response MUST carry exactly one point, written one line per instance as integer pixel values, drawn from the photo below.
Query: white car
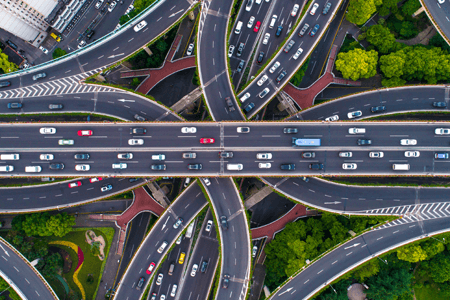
(274, 67)
(190, 49)
(99, 4)
(313, 9)
(129, 9)
(356, 130)
(295, 10)
(140, 25)
(81, 44)
(243, 129)
(189, 130)
(258, 1)
(65, 142)
(135, 142)
(245, 97)
(262, 80)
(254, 251)
(119, 166)
(112, 6)
(250, 22)
(349, 166)
(412, 153)
(354, 114)
(441, 1)
(43, 49)
(208, 226)
(407, 142)
(194, 270)
(230, 50)
(47, 130)
(332, 118)
(266, 38)
(159, 279)
(46, 157)
(442, 131)
(206, 181)
(264, 156)
(125, 156)
(376, 154)
(264, 165)
(82, 167)
(345, 154)
(298, 53)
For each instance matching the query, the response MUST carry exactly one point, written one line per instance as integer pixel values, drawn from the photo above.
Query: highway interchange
(109, 140)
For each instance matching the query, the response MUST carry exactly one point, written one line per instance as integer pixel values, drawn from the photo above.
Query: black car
(4, 84)
(308, 154)
(138, 130)
(204, 266)
(14, 105)
(133, 179)
(194, 166)
(289, 167)
(240, 49)
(81, 156)
(377, 109)
(55, 106)
(240, 66)
(225, 281)
(260, 57)
(139, 118)
(226, 154)
(364, 142)
(12, 45)
(56, 166)
(439, 104)
(90, 34)
(140, 283)
(281, 76)
(249, 107)
(224, 222)
(230, 104)
(317, 166)
(290, 130)
(161, 167)
(279, 30)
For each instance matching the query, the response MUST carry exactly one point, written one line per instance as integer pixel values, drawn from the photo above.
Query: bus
(305, 142)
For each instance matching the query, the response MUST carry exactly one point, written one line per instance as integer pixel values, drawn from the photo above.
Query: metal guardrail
(89, 47)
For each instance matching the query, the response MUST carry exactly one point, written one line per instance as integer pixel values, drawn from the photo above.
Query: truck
(190, 230)
(305, 142)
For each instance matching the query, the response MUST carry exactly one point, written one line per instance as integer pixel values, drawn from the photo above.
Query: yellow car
(181, 259)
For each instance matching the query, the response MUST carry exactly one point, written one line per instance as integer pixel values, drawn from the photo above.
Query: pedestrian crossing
(414, 213)
(63, 86)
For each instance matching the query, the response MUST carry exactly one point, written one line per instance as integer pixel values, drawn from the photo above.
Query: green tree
(438, 41)
(58, 53)
(381, 38)
(412, 253)
(357, 64)
(388, 6)
(410, 7)
(5, 64)
(438, 267)
(359, 11)
(408, 30)
(432, 247)
(392, 82)
(43, 224)
(135, 82)
(369, 269)
(392, 65)
(52, 265)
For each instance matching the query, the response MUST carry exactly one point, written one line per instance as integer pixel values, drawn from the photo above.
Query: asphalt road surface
(440, 13)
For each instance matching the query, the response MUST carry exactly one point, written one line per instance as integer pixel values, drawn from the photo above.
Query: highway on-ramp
(439, 13)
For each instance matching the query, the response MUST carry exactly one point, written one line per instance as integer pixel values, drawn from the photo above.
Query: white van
(273, 21)
(33, 169)
(6, 168)
(158, 157)
(235, 167)
(9, 156)
(400, 167)
(238, 27)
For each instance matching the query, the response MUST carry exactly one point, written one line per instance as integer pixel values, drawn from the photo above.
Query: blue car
(326, 8)
(314, 31)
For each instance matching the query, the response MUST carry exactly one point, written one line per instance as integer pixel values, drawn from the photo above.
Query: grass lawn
(91, 265)
(57, 287)
(429, 292)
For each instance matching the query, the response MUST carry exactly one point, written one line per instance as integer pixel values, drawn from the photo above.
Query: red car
(150, 268)
(75, 184)
(256, 28)
(207, 141)
(84, 132)
(95, 179)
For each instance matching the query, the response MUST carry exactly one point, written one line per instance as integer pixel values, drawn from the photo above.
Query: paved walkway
(305, 97)
(186, 100)
(154, 76)
(142, 202)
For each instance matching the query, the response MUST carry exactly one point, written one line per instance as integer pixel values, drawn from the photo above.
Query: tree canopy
(359, 11)
(44, 224)
(357, 64)
(381, 37)
(5, 64)
(58, 53)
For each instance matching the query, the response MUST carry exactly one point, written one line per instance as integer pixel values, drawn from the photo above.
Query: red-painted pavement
(169, 67)
(305, 97)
